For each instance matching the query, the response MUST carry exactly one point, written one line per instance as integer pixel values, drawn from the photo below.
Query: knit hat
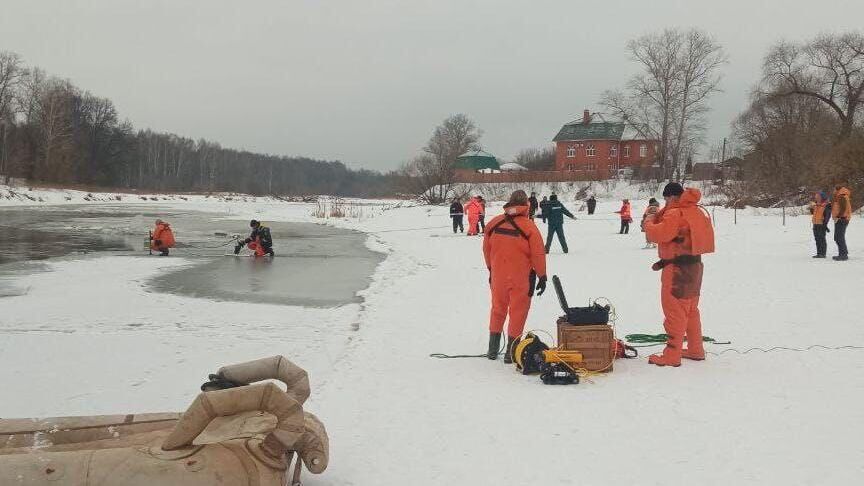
(673, 189)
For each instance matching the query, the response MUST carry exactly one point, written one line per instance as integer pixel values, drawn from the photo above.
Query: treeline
(52, 131)
(804, 128)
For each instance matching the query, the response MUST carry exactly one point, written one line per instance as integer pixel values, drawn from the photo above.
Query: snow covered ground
(85, 337)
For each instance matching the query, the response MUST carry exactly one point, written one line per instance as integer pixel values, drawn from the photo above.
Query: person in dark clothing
(457, 214)
(544, 205)
(554, 213)
(821, 211)
(592, 204)
(482, 214)
(841, 211)
(260, 241)
(532, 205)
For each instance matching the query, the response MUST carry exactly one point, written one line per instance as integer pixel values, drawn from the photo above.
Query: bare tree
(434, 171)
(536, 158)
(11, 71)
(667, 101)
(829, 68)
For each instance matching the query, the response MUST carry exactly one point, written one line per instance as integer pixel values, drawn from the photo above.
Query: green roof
(578, 130)
(477, 160)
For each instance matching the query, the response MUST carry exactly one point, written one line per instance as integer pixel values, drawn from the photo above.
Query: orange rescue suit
(473, 209)
(625, 212)
(510, 258)
(682, 231)
(841, 207)
(164, 235)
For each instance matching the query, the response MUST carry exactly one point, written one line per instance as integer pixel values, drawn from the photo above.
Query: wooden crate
(594, 342)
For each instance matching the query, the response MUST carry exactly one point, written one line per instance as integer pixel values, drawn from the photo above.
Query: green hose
(648, 340)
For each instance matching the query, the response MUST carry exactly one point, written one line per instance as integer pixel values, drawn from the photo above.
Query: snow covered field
(85, 337)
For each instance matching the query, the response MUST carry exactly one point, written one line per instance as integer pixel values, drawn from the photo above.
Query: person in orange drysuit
(162, 238)
(626, 217)
(473, 210)
(516, 259)
(683, 231)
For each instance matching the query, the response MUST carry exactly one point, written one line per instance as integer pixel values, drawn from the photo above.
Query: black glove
(158, 242)
(541, 285)
(237, 248)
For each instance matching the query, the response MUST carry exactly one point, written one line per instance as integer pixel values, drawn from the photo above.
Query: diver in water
(260, 241)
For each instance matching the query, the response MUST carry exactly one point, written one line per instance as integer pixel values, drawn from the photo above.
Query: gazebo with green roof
(477, 160)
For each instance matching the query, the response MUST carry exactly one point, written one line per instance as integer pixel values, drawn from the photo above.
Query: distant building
(603, 150)
(475, 161)
(729, 169)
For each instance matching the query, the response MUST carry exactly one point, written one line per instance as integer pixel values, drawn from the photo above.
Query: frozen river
(316, 265)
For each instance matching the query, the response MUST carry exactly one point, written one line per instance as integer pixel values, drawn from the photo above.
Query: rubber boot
(694, 355)
(508, 355)
(494, 345)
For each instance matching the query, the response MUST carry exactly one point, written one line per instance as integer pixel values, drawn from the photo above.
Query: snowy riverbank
(85, 337)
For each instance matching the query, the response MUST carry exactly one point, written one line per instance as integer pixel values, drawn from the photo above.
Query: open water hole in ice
(316, 265)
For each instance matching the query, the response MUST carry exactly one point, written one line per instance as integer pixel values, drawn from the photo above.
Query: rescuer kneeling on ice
(683, 231)
(516, 259)
(259, 240)
(162, 238)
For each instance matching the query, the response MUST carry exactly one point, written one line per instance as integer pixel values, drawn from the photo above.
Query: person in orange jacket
(162, 238)
(821, 211)
(841, 211)
(473, 210)
(516, 259)
(683, 231)
(626, 217)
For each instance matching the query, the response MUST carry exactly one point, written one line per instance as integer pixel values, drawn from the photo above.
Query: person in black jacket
(260, 241)
(532, 205)
(555, 212)
(544, 205)
(592, 204)
(457, 213)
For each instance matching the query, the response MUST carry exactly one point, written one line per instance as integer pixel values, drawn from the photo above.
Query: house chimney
(586, 117)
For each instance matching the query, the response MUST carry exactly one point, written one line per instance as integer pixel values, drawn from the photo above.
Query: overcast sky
(365, 82)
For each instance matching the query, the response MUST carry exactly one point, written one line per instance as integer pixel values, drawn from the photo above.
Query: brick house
(603, 150)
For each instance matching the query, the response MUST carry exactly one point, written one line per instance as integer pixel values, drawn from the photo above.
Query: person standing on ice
(821, 211)
(456, 214)
(162, 238)
(260, 240)
(592, 204)
(532, 206)
(683, 231)
(626, 217)
(472, 210)
(482, 219)
(650, 211)
(544, 205)
(513, 250)
(842, 212)
(554, 214)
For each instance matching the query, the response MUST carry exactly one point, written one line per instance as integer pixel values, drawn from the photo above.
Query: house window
(571, 152)
(570, 166)
(626, 151)
(613, 151)
(591, 151)
(643, 151)
(591, 166)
